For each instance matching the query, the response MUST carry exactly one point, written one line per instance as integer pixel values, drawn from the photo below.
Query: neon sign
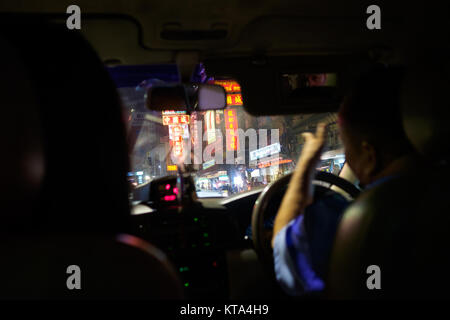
(229, 86)
(231, 126)
(233, 89)
(234, 99)
(178, 122)
(178, 132)
(175, 119)
(273, 163)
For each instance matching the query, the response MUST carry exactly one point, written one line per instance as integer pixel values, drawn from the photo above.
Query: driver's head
(370, 123)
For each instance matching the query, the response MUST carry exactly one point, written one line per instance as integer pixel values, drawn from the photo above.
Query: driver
(376, 149)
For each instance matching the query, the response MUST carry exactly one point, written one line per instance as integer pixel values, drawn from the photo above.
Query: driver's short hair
(371, 111)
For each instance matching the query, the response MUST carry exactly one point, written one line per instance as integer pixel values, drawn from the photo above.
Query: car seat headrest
(426, 105)
(22, 157)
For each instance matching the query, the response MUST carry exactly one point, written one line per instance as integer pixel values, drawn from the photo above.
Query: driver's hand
(300, 190)
(307, 163)
(313, 147)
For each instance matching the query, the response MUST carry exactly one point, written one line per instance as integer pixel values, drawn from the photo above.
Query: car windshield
(228, 151)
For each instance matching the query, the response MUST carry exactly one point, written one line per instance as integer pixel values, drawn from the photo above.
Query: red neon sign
(233, 89)
(178, 148)
(175, 119)
(170, 198)
(271, 163)
(234, 99)
(231, 126)
(229, 86)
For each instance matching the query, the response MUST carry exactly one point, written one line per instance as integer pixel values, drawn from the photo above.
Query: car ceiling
(130, 31)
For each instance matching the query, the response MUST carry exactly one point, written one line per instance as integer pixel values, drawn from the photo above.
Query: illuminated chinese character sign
(233, 90)
(178, 124)
(231, 126)
(234, 98)
(229, 86)
(177, 132)
(171, 119)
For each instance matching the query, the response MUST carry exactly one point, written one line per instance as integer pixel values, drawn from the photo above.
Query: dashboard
(198, 238)
(210, 240)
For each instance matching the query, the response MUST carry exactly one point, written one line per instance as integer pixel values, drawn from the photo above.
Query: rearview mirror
(190, 97)
(166, 98)
(211, 97)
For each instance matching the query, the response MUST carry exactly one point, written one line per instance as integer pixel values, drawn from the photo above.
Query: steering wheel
(261, 236)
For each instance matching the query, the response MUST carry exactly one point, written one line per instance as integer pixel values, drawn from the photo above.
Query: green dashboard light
(207, 244)
(186, 284)
(205, 235)
(195, 219)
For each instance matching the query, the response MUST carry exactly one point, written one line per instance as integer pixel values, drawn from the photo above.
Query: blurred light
(170, 198)
(175, 190)
(186, 284)
(167, 186)
(147, 178)
(214, 264)
(238, 181)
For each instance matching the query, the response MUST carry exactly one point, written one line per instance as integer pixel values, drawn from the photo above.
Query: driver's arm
(299, 193)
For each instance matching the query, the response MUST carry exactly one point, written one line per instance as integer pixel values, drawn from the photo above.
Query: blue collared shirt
(302, 248)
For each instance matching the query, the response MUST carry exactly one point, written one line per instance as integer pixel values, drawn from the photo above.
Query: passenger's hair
(85, 187)
(371, 112)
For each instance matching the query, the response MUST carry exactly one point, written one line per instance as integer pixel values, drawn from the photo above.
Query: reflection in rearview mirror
(309, 89)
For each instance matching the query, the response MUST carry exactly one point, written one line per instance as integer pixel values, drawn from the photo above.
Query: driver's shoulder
(384, 201)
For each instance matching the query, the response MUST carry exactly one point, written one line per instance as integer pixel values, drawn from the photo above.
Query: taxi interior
(212, 239)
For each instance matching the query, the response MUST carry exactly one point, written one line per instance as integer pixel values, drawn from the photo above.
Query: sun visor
(288, 84)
